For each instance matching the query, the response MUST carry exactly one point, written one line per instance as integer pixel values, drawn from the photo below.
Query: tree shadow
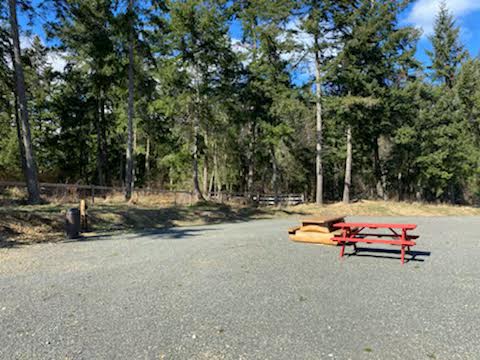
(202, 213)
(7, 238)
(168, 233)
(394, 254)
(106, 220)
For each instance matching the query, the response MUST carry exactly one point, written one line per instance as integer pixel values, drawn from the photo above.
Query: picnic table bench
(354, 232)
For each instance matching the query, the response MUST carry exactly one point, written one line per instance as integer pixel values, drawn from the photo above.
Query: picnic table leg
(404, 237)
(342, 250)
(344, 235)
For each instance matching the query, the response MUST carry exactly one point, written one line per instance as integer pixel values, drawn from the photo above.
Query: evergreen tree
(320, 19)
(237, 114)
(264, 43)
(448, 53)
(85, 30)
(375, 53)
(447, 154)
(204, 63)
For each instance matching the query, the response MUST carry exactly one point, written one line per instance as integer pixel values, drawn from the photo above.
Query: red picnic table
(354, 232)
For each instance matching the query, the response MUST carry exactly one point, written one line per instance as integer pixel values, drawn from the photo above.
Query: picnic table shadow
(383, 253)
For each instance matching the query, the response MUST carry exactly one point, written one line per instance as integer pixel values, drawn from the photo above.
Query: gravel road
(242, 291)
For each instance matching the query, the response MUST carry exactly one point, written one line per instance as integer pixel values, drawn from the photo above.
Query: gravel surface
(242, 291)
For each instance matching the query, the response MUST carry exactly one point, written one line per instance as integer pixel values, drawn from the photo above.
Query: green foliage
(448, 53)
(236, 103)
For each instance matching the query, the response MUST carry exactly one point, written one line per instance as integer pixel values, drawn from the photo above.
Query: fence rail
(282, 199)
(175, 196)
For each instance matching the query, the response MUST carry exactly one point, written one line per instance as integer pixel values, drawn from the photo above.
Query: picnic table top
(375, 225)
(320, 220)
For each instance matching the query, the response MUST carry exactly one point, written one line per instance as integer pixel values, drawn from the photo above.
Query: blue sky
(420, 14)
(467, 13)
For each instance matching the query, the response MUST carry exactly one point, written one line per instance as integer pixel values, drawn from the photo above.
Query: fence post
(83, 215)
(93, 194)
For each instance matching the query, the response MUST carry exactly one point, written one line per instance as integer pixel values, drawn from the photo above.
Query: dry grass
(389, 208)
(21, 224)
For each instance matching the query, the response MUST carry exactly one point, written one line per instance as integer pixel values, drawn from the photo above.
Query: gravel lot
(242, 291)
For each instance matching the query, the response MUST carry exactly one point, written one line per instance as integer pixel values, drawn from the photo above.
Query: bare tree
(26, 139)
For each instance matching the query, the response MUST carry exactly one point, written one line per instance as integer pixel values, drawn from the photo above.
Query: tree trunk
(121, 170)
(274, 175)
(379, 177)
(205, 177)
(348, 167)
(130, 156)
(210, 185)
(250, 156)
(101, 140)
(19, 136)
(336, 182)
(252, 124)
(217, 185)
(196, 127)
(205, 168)
(30, 164)
(147, 162)
(319, 137)
(400, 188)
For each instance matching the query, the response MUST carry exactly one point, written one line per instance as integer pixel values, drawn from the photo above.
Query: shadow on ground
(389, 254)
(167, 233)
(27, 225)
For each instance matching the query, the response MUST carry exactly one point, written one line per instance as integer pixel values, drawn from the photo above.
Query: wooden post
(83, 215)
(93, 194)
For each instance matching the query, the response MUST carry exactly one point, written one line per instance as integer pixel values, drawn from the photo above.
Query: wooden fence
(78, 191)
(278, 199)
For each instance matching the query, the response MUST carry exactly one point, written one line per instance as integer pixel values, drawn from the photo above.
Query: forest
(320, 97)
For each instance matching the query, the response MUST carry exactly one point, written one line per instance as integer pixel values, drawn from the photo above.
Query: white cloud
(55, 59)
(423, 12)
(238, 46)
(26, 42)
(303, 57)
(242, 49)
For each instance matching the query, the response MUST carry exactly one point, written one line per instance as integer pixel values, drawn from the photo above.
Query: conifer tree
(85, 30)
(204, 61)
(375, 50)
(320, 19)
(448, 53)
